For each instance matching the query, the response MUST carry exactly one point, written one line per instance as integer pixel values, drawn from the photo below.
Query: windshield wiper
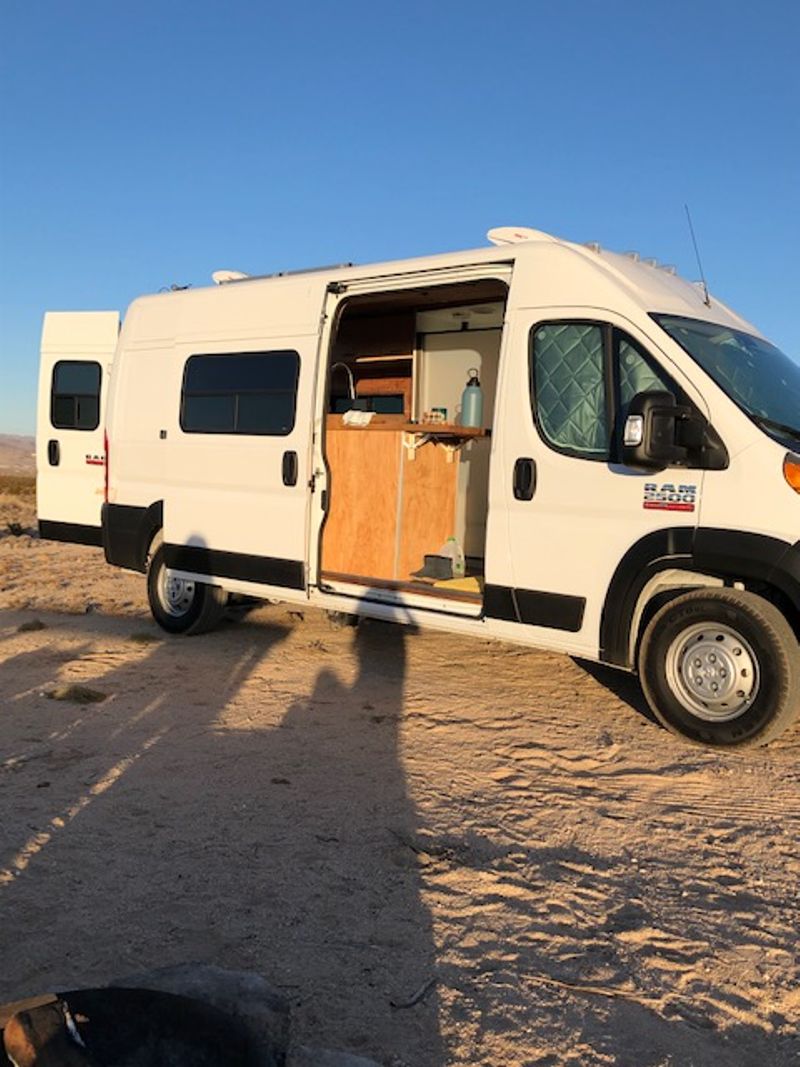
(780, 427)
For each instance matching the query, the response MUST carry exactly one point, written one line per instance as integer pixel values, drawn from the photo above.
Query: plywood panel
(428, 506)
(360, 532)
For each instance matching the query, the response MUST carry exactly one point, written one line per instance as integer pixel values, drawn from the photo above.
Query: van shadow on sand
(203, 812)
(174, 822)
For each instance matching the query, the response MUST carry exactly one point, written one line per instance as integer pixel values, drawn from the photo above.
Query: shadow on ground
(179, 821)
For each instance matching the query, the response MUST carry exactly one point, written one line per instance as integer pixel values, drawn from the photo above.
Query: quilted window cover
(569, 384)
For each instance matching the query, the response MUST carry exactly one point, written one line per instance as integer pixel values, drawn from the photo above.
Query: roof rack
(286, 273)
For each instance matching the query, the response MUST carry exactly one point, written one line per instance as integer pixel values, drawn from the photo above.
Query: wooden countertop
(398, 423)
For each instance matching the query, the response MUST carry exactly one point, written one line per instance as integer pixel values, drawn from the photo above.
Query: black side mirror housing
(659, 432)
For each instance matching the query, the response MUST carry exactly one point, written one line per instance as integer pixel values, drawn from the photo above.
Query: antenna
(706, 297)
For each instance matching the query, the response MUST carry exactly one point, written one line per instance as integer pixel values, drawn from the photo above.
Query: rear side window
(241, 392)
(75, 395)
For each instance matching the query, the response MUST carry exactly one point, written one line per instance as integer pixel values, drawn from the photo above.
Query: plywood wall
(360, 531)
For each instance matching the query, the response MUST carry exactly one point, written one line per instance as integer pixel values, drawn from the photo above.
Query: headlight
(791, 471)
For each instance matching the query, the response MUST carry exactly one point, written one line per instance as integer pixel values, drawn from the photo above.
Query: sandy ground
(370, 816)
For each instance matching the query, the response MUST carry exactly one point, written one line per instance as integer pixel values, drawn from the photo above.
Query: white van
(631, 497)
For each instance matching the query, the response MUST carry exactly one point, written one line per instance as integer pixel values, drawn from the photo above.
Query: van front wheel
(721, 668)
(179, 605)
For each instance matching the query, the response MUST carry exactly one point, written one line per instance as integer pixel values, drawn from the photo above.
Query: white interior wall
(445, 359)
(444, 362)
(472, 502)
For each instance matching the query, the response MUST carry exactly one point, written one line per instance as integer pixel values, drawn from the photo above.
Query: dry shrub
(17, 485)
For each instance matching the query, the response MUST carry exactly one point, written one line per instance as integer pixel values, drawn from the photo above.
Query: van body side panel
(234, 497)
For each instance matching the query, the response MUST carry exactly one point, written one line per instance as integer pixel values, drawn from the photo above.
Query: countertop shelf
(443, 429)
(450, 438)
(402, 425)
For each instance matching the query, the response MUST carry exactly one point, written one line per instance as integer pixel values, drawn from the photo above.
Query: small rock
(144, 637)
(30, 626)
(78, 694)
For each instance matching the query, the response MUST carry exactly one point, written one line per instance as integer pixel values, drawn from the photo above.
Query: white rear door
(77, 349)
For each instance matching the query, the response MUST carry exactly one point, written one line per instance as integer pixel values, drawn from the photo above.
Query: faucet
(350, 379)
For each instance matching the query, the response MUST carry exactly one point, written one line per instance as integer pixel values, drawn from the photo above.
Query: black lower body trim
(73, 532)
(656, 551)
(499, 603)
(127, 533)
(555, 611)
(266, 570)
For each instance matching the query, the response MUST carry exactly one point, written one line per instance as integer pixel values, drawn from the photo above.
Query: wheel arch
(667, 562)
(128, 533)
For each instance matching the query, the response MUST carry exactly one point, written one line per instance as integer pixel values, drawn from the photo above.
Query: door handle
(53, 453)
(290, 468)
(524, 479)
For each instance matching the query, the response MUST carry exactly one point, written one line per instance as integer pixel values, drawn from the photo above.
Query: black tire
(193, 608)
(734, 643)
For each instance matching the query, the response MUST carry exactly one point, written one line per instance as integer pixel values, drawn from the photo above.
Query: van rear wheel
(722, 668)
(179, 605)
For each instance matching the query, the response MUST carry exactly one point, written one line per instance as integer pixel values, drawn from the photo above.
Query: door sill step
(410, 594)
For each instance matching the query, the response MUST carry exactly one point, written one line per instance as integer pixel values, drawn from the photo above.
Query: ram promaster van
(632, 495)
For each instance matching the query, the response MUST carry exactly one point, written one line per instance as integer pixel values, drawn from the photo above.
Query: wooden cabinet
(389, 504)
(359, 535)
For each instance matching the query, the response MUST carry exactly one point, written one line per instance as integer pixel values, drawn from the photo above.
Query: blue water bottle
(472, 401)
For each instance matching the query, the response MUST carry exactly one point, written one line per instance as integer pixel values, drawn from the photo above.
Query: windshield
(761, 379)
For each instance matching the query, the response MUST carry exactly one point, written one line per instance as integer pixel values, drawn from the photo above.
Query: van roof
(595, 271)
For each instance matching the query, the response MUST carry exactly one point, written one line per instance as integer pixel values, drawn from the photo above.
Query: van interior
(404, 473)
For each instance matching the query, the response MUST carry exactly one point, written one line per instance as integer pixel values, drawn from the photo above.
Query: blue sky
(145, 144)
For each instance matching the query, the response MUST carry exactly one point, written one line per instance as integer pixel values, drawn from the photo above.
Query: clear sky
(148, 143)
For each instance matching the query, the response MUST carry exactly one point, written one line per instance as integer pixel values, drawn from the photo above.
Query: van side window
(75, 395)
(568, 385)
(636, 372)
(240, 392)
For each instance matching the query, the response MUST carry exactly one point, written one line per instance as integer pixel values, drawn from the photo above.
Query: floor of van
(467, 590)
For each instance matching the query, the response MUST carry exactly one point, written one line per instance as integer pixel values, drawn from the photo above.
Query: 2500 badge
(669, 497)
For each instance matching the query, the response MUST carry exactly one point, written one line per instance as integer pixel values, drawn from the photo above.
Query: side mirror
(659, 432)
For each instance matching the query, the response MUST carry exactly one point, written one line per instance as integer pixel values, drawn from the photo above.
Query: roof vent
(220, 277)
(593, 246)
(512, 235)
(632, 255)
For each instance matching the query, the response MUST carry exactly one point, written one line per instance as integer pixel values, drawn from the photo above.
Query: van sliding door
(238, 462)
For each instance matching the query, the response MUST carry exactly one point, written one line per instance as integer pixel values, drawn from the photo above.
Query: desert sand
(444, 851)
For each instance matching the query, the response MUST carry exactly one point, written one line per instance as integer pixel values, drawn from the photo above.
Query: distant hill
(17, 454)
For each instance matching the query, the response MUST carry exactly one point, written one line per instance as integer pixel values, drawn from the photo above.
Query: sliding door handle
(524, 479)
(290, 468)
(53, 453)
